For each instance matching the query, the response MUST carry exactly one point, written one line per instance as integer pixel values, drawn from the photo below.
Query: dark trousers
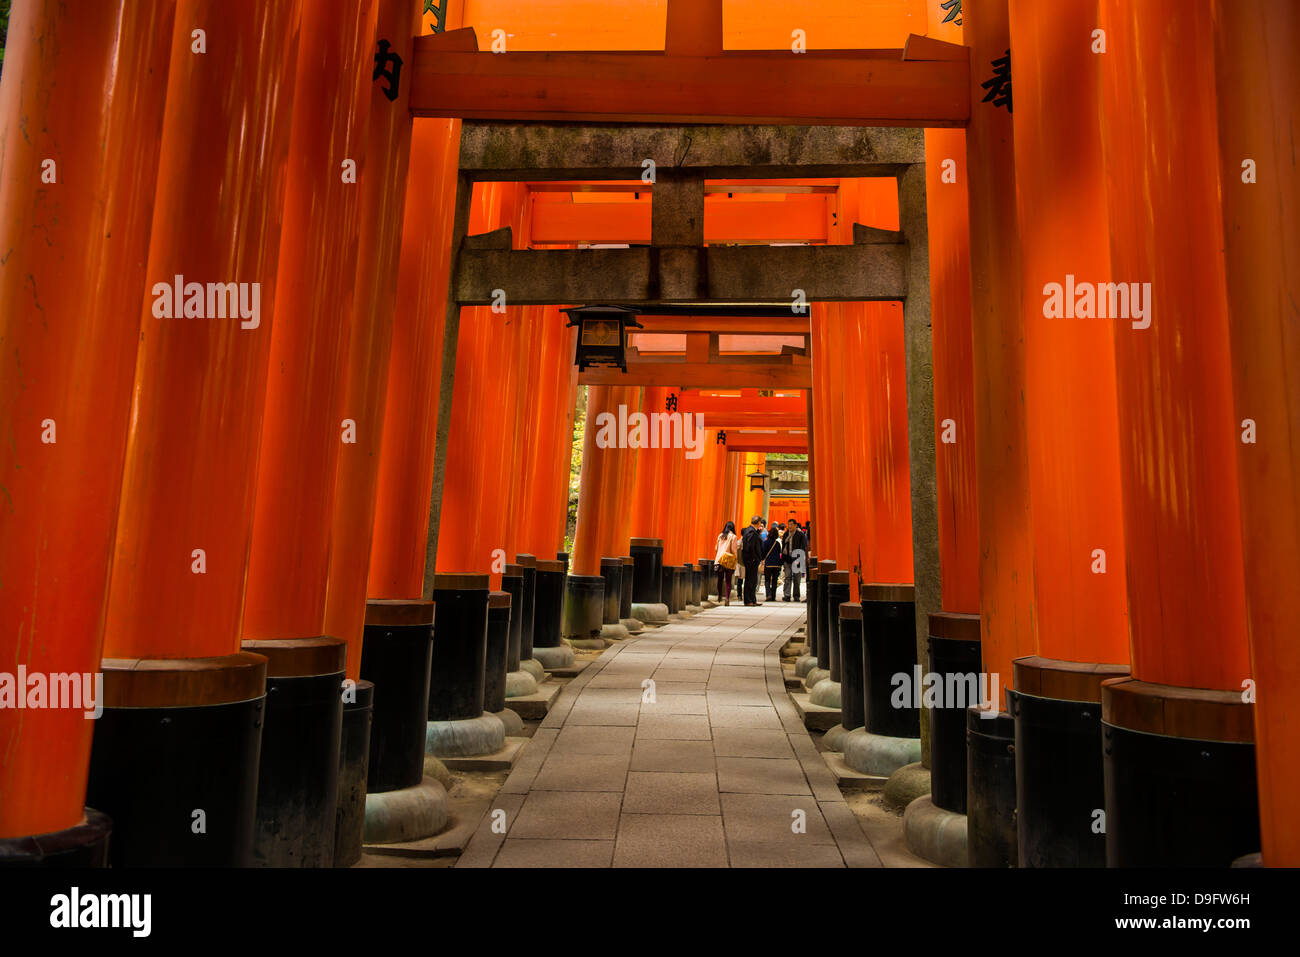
(751, 583)
(791, 578)
(724, 582)
(771, 573)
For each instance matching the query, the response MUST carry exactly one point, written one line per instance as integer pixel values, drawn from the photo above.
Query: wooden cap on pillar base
(1063, 680)
(546, 565)
(948, 624)
(399, 611)
(460, 582)
(499, 599)
(1197, 713)
(300, 657)
(647, 543)
(183, 682)
(877, 591)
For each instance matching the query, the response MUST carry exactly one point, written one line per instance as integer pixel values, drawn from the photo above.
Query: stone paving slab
(717, 771)
(535, 706)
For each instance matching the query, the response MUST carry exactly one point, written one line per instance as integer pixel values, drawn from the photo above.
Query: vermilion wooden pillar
(952, 634)
(1181, 721)
(186, 512)
(550, 416)
(648, 514)
(1259, 105)
(998, 360)
(476, 487)
(78, 165)
(405, 481)
(602, 515)
(288, 562)
(382, 184)
(1072, 433)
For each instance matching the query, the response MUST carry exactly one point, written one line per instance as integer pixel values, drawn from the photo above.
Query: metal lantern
(602, 334)
(756, 480)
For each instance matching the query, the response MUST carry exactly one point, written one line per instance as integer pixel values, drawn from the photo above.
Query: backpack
(751, 546)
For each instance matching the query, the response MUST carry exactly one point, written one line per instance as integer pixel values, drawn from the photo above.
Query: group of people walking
(782, 550)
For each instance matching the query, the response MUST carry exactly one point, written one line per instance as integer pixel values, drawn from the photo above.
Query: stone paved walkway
(715, 771)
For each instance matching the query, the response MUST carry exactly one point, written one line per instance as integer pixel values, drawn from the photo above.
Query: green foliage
(575, 465)
(4, 28)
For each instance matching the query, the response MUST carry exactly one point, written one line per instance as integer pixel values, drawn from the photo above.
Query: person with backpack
(795, 559)
(772, 553)
(751, 555)
(724, 560)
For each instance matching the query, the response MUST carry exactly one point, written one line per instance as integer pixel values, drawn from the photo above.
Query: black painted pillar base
(824, 569)
(1060, 780)
(496, 659)
(954, 651)
(512, 583)
(625, 587)
(647, 571)
(888, 649)
(697, 585)
(1175, 801)
(528, 613)
(708, 579)
(990, 789)
(852, 700)
(396, 649)
(584, 606)
(611, 570)
(298, 775)
(666, 589)
(85, 844)
(837, 593)
(549, 604)
(456, 673)
(174, 761)
(814, 602)
(354, 755)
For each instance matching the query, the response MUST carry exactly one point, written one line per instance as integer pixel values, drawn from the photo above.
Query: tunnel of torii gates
(228, 506)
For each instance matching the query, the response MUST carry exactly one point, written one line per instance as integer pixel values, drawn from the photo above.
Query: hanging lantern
(602, 334)
(756, 480)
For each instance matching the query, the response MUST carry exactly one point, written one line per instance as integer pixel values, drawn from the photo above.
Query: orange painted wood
(841, 88)
(828, 24)
(69, 307)
(288, 564)
(602, 514)
(694, 27)
(382, 184)
(954, 387)
(998, 360)
(649, 512)
(190, 473)
(796, 218)
(406, 465)
(1071, 420)
(476, 487)
(767, 441)
(1259, 107)
(1178, 430)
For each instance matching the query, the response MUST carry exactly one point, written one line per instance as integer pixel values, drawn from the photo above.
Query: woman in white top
(725, 559)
